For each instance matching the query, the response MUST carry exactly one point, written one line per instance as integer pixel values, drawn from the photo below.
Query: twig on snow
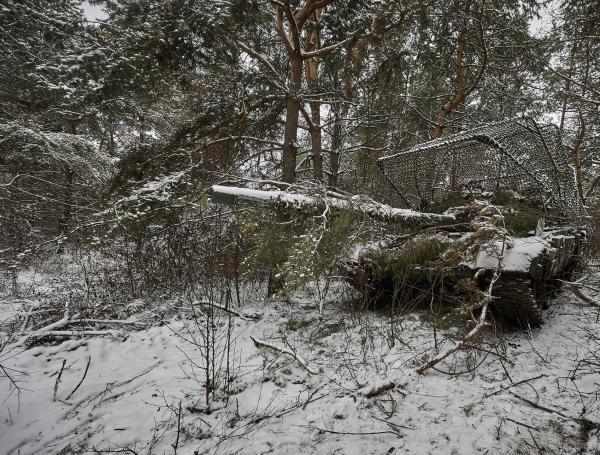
(354, 433)
(10, 379)
(50, 329)
(580, 420)
(82, 378)
(515, 384)
(522, 424)
(72, 333)
(62, 367)
(376, 391)
(220, 307)
(176, 444)
(574, 288)
(261, 343)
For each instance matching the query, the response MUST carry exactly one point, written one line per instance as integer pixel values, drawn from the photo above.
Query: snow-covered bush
(49, 186)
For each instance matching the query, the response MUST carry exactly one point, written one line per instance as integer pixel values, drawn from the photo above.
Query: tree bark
(142, 128)
(461, 91)
(459, 83)
(335, 152)
(355, 56)
(577, 155)
(293, 46)
(567, 93)
(33, 103)
(290, 142)
(313, 42)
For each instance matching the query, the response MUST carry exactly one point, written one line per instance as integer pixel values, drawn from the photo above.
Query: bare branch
(280, 30)
(306, 116)
(326, 49)
(294, 28)
(574, 81)
(246, 138)
(312, 5)
(261, 343)
(260, 57)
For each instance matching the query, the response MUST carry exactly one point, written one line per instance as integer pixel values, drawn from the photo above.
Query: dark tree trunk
(290, 143)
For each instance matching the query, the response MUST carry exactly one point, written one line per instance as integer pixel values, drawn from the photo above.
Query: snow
(516, 259)
(130, 396)
(261, 196)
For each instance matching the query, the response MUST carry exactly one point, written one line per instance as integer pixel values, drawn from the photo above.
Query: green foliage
(49, 183)
(523, 213)
(444, 317)
(297, 251)
(451, 199)
(521, 223)
(503, 198)
(270, 239)
(293, 325)
(316, 251)
(35, 70)
(521, 217)
(303, 262)
(592, 250)
(403, 264)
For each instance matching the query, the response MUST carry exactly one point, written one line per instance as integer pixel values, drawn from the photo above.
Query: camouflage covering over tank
(516, 154)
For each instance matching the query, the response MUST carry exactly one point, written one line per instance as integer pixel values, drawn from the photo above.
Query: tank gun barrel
(284, 200)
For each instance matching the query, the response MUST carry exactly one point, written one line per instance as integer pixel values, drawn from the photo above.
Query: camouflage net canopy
(513, 155)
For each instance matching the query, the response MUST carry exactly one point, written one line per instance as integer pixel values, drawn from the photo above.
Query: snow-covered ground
(528, 394)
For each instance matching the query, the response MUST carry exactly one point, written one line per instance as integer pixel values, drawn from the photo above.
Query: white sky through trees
(93, 12)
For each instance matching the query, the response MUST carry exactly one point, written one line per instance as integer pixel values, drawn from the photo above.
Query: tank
(499, 199)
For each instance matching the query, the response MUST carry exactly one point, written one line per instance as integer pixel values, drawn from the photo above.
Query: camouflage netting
(515, 154)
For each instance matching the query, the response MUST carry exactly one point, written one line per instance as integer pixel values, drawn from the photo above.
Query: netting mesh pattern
(515, 154)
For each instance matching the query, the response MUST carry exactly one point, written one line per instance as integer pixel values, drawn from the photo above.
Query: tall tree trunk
(313, 42)
(461, 92)
(563, 113)
(290, 142)
(67, 213)
(142, 128)
(582, 130)
(336, 150)
(459, 83)
(354, 57)
(316, 141)
(68, 195)
(577, 155)
(567, 93)
(33, 103)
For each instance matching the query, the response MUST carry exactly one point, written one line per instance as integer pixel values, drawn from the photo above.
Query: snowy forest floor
(143, 392)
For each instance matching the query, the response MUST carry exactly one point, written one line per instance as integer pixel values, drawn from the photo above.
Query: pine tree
(41, 72)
